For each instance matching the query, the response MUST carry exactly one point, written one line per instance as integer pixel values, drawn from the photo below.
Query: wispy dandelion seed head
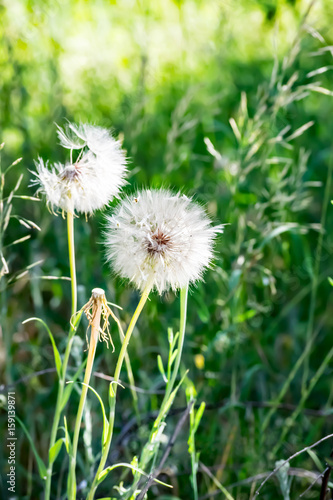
(162, 236)
(91, 181)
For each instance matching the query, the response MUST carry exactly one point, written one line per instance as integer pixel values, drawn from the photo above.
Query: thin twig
(293, 471)
(288, 460)
(312, 484)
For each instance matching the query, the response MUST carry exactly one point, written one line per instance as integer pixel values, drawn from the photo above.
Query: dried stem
(98, 298)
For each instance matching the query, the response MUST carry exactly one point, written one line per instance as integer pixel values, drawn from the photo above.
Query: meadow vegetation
(231, 104)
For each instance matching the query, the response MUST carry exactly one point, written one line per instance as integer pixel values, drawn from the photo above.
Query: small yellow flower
(199, 361)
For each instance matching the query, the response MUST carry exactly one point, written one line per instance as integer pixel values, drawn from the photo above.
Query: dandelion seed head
(161, 236)
(90, 182)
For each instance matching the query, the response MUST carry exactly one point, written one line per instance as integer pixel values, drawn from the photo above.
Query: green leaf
(55, 449)
(173, 357)
(316, 460)
(67, 438)
(168, 497)
(190, 390)
(106, 471)
(202, 309)
(172, 396)
(330, 280)
(170, 335)
(284, 228)
(240, 318)
(198, 416)
(111, 391)
(75, 323)
(105, 420)
(161, 368)
(57, 358)
(234, 279)
(174, 341)
(245, 198)
(69, 387)
(41, 466)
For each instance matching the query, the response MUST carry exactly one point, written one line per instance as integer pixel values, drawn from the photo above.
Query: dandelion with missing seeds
(89, 182)
(160, 237)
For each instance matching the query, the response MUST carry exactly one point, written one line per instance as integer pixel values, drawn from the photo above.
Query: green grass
(189, 88)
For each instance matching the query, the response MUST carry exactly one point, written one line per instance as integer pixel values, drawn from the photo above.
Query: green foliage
(211, 99)
(284, 480)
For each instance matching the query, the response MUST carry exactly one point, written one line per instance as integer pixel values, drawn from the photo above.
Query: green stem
(131, 381)
(182, 327)
(96, 314)
(57, 413)
(145, 457)
(71, 250)
(113, 392)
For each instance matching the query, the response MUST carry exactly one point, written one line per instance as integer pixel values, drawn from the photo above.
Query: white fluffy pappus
(161, 236)
(91, 181)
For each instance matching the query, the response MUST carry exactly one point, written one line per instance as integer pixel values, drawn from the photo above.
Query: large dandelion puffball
(89, 182)
(161, 238)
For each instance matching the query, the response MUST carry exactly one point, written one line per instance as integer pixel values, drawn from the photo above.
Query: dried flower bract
(90, 309)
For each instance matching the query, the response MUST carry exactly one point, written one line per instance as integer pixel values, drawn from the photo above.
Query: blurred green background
(209, 97)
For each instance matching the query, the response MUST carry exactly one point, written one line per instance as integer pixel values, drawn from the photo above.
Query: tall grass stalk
(62, 379)
(315, 280)
(113, 390)
(305, 395)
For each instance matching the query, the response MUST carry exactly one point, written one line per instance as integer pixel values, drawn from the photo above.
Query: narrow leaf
(105, 421)
(106, 471)
(173, 357)
(300, 131)
(55, 449)
(57, 357)
(69, 387)
(41, 466)
(235, 129)
(198, 416)
(277, 231)
(67, 438)
(161, 368)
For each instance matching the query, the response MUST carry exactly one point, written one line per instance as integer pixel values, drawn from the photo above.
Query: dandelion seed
(161, 236)
(92, 180)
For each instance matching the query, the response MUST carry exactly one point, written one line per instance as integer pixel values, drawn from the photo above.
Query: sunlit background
(231, 103)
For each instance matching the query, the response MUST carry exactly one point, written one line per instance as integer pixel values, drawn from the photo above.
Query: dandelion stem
(113, 391)
(183, 310)
(166, 403)
(95, 326)
(62, 379)
(71, 249)
(131, 379)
